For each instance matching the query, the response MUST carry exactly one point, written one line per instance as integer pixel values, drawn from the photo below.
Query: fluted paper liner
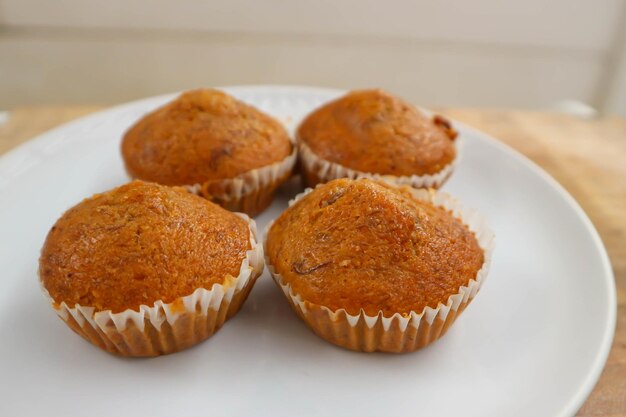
(318, 170)
(400, 332)
(167, 327)
(250, 192)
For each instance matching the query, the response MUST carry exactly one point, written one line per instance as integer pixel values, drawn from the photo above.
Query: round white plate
(533, 343)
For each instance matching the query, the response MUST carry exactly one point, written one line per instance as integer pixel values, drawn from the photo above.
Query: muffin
(145, 269)
(373, 267)
(217, 146)
(372, 134)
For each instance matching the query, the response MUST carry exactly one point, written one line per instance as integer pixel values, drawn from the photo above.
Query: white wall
(447, 52)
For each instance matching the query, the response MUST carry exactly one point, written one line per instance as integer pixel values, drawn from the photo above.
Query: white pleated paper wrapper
(167, 327)
(250, 192)
(325, 170)
(400, 332)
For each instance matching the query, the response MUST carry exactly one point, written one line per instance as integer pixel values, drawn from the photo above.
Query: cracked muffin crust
(362, 244)
(218, 147)
(372, 131)
(200, 136)
(140, 243)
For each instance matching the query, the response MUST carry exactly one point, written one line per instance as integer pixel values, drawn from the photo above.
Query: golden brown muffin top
(361, 244)
(202, 135)
(138, 244)
(375, 132)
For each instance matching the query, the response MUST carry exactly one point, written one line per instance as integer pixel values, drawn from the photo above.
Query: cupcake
(216, 146)
(372, 134)
(146, 270)
(373, 267)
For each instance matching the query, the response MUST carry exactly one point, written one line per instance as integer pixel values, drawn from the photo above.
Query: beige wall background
(495, 53)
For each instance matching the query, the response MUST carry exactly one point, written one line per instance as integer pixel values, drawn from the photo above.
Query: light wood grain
(588, 157)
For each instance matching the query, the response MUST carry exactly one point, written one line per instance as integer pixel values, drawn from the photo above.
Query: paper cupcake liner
(316, 170)
(250, 192)
(167, 327)
(400, 332)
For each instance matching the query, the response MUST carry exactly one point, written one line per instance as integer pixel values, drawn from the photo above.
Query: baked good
(216, 145)
(372, 134)
(145, 269)
(373, 267)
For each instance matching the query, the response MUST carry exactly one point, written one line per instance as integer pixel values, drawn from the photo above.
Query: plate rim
(597, 365)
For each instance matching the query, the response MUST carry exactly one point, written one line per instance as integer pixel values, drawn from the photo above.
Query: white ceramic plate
(533, 343)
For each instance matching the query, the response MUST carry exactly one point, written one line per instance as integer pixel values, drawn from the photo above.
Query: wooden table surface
(587, 156)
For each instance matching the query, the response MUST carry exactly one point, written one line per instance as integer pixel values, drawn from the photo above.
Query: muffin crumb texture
(372, 131)
(367, 245)
(203, 135)
(138, 244)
